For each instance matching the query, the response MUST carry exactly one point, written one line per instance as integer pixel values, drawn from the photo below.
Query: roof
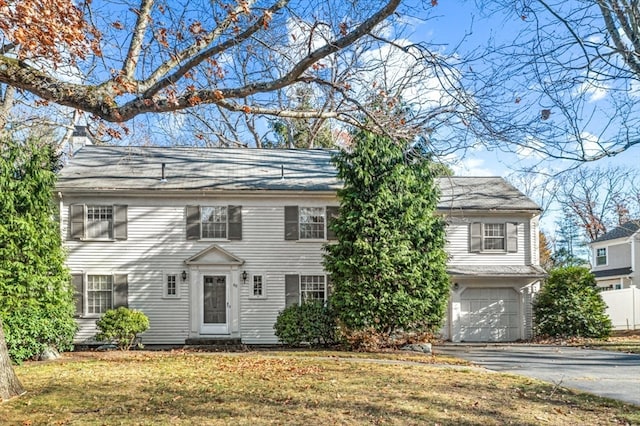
(623, 231)
(140, 168)
(482, 193)
(612, 272)
(109, 168)
(497, 271)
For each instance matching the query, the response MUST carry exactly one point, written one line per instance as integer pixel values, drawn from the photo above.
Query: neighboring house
(213, 243)
(616, 257)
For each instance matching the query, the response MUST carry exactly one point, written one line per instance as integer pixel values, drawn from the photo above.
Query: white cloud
(531, 149)
(593, 92)
(467, 166)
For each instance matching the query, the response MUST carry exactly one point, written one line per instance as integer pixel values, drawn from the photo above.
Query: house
(616, 257)
(213, 243)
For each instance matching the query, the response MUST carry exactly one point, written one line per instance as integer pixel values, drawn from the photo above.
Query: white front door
(215, 307)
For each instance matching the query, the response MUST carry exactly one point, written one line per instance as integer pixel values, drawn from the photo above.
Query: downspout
(60, 206)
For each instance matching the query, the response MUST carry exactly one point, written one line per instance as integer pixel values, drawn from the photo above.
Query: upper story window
(214, 222)
(601, 256)
(220, 222)
(493, 237)
(312, 222)
(309, 223)
(98, 222)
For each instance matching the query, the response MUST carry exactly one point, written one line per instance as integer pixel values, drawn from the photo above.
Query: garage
(489, 315)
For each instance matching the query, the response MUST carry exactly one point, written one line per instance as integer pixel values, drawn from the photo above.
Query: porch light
(184, 275)
(244, 277)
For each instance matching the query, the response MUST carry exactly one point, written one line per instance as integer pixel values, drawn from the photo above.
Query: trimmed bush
(121, 326)
(569, 305)
(312, 323)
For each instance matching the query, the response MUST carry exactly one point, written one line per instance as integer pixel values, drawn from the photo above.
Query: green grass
(168, 388)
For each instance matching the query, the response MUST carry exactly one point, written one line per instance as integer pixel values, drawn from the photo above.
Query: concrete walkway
(610, 374)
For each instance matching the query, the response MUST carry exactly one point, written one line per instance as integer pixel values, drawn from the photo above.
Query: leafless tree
(565, 77)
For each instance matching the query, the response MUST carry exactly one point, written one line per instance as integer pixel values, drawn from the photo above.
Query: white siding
(156, 243)
(458, 242)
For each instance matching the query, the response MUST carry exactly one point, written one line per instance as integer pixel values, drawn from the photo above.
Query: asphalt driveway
(610, 374)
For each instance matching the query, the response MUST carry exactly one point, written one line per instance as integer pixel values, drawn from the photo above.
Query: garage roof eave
(507, 271)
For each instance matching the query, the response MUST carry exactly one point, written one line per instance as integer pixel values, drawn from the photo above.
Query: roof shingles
(100, 168)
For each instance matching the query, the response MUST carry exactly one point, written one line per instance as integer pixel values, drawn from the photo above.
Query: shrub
(32, 329)
(569, 305)
(312, 323)
(121, 326)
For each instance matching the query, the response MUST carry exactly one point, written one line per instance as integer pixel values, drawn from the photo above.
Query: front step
(215, 344)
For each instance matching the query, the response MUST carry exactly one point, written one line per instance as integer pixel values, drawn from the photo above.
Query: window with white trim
(214, 221)
(494, 236)
(257, 286)
(99, 293)
(171, 288)
(99, 222)
(312, 287)
(312, 220)
(601, 256)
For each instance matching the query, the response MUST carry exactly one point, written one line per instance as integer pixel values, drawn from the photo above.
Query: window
(98, 222)
(214, 222)
(171, 288)
(258, 286)
(302, 288)
(601, 256)
(220, 222)
(312, 288)
(309, 223)
(493, 237)
(312, 223)
(94, 294)
(99, 293)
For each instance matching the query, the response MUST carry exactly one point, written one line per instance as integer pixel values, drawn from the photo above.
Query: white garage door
(489, 315)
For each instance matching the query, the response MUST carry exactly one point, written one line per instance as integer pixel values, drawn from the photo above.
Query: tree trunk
(10, 386)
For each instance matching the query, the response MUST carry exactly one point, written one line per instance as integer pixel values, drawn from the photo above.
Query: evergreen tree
(389, 265)
(569, 305)
(36, 300)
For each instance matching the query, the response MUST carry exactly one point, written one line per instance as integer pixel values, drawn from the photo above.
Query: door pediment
(214, 255)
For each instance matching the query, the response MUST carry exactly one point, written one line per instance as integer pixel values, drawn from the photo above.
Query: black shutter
(235, 222)
(77, 280)
(475, 237)
(512, 237)
(291, 223)
(332, 214)
(120, 222)
(76, 221)
(120, 291)
(292, 290)
(193, 222)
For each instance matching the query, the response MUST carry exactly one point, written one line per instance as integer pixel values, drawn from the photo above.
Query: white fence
(623, 307)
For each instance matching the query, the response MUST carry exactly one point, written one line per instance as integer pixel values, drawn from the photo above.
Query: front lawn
(167, 388)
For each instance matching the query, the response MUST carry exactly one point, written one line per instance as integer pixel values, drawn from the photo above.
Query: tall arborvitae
(36, 300)
(389, 265)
